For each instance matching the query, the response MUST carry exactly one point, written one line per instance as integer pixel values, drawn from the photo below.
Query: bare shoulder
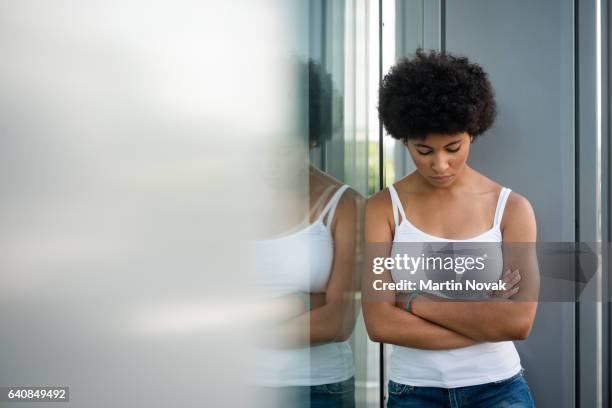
(350, 202)
(518, 222)
(350, 205)
(518, 205)
(379, 217)
(352, 195)
(379, 203)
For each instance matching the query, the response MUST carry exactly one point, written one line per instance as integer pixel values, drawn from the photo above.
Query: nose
(440, 163)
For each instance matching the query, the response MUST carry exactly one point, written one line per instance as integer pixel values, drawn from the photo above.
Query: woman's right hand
(511, 279)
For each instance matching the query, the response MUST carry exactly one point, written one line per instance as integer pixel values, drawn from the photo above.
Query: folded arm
(494, 320)
(331, 315)
(387, 323)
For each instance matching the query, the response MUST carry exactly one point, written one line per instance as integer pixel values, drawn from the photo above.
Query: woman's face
(440, 158)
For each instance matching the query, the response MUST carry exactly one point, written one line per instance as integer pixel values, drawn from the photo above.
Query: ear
(471, 139)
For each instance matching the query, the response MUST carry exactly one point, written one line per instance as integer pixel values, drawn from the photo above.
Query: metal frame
(606, 19)
(589, 199)
(381, 179)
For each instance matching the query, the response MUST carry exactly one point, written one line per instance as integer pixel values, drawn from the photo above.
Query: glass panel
(343, 44)
(322, 354)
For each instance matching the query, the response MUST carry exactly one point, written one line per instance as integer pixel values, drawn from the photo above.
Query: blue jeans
(510, 393)
(334, 395)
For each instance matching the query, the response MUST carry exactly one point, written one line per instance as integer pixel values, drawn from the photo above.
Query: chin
(441, 183)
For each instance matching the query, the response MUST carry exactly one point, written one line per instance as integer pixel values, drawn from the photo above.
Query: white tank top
(478, 364)
(301, 262)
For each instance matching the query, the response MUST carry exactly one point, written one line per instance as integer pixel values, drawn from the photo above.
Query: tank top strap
(398, 208)
(330, 208)
(501, 204)
(320, 203)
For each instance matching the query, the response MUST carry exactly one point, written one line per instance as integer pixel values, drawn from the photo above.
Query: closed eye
(453, 150)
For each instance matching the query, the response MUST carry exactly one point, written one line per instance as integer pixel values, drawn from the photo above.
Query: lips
(441, 179)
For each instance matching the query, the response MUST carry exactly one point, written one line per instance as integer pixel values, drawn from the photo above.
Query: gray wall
(527, 47)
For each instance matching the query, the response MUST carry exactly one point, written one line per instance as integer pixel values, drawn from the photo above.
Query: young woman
(450, 353)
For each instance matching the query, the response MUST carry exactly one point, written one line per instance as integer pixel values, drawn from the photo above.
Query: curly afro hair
(324, 102)
(435, 92)
(319, 103)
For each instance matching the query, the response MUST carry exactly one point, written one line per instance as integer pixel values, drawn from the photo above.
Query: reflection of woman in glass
(306, 360)
(449, 353)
